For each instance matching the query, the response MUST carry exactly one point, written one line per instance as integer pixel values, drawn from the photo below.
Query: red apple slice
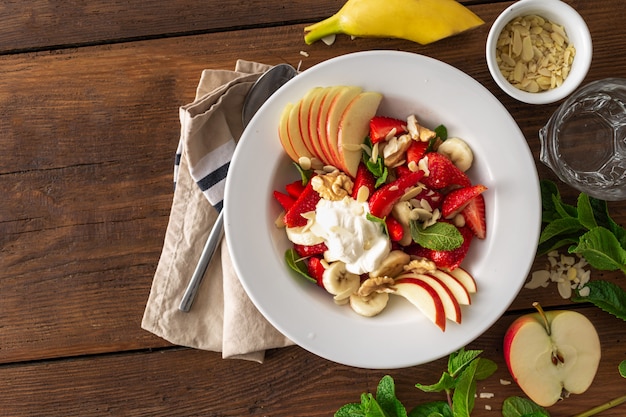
(321, 122)
(466, 279)
(353, 128)
(295, 134)
(335, 114)
(313, 116)
(424, 297)
(458, 290)
(451, 306)
(283, 133)
(303, 115)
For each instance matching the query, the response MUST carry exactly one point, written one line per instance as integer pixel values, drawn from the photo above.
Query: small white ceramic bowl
(577, 31)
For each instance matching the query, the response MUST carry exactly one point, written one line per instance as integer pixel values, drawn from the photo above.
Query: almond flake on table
(568, 273)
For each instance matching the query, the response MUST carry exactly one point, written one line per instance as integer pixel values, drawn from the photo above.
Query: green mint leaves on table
(458, 382)
(588, 230)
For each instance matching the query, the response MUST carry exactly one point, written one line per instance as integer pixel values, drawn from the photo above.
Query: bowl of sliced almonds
(539, 51)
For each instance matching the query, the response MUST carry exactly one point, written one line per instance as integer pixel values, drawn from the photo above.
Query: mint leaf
(548, 209)
(432, 409)
(605, 295)
(378, 220)
(377, 167)
(297, 264)
(305, 175)
(445, 383)
(557, 242)
(386, 398)
(442, 132)
(485, 369)
(601, 249)
(586, 215)
(439, 236)
(522, 407)
(463, 397)
(458, 360)
(601, 213)
(350, 410)
(563, 209)
(559, 227)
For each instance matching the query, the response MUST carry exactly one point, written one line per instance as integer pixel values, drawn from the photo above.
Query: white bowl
(577, 31)
(401, 335)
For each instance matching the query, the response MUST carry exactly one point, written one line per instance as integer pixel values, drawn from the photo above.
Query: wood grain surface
(89, 95)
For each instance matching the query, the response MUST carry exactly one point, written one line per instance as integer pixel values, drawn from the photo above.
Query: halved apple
(353, 128)
(335, 113)
(424, 297)
(283, 133)
(551, 354)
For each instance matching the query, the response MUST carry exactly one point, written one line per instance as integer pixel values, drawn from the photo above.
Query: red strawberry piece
(316, 269)
(456, 200)
(305, 203)
(380, 126)
(445, 259)
(285, 200)
(305, 251)
(384, 198)
(402, 170)
(443, 173)
(474, 214)
(433, 197)
(364, 178)
(295, 188)
(416, 151)
(395, 229)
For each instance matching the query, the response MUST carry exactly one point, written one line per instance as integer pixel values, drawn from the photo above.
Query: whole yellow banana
(421, 21)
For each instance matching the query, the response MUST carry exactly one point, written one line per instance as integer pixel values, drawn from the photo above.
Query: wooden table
(89, 95)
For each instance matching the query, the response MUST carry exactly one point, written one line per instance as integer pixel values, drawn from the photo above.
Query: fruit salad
(384, 206)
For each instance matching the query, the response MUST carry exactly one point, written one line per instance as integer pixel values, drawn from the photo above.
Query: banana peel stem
(319, 30)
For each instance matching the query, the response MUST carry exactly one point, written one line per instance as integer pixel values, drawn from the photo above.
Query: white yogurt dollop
(350, 237)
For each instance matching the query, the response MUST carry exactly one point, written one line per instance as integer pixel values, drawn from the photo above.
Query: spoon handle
(213, 240)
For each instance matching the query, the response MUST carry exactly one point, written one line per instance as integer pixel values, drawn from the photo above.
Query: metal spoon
(262, 89)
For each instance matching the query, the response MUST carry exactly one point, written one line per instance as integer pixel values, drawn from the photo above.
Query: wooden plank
(41, 24)
(291, 382)
(91, 134)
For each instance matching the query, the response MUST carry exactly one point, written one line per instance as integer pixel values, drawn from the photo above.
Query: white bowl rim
(558, 12)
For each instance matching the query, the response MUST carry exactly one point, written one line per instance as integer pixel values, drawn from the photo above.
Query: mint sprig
(377, 167)
(589, 231)
(458, 382)
(297, 264)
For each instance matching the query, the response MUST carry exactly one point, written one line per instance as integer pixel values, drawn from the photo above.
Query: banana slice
(339, 282)
(302, 235)
(458, 151)
(392, 265)
(369, 306)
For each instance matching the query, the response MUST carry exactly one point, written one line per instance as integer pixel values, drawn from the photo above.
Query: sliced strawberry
(304, 251)
(456, 200)
(316, 269)
(364, 178)
(305, 203)
(443, 173)
(380, 126)
(402, 170)
(285, 200)
(433, 197)
(416, 151)
(384, 198)
(395, 229)
(295, 188)
(474, 214)
(445, 259)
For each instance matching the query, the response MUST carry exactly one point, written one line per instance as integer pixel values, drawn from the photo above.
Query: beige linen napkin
(222, 319)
